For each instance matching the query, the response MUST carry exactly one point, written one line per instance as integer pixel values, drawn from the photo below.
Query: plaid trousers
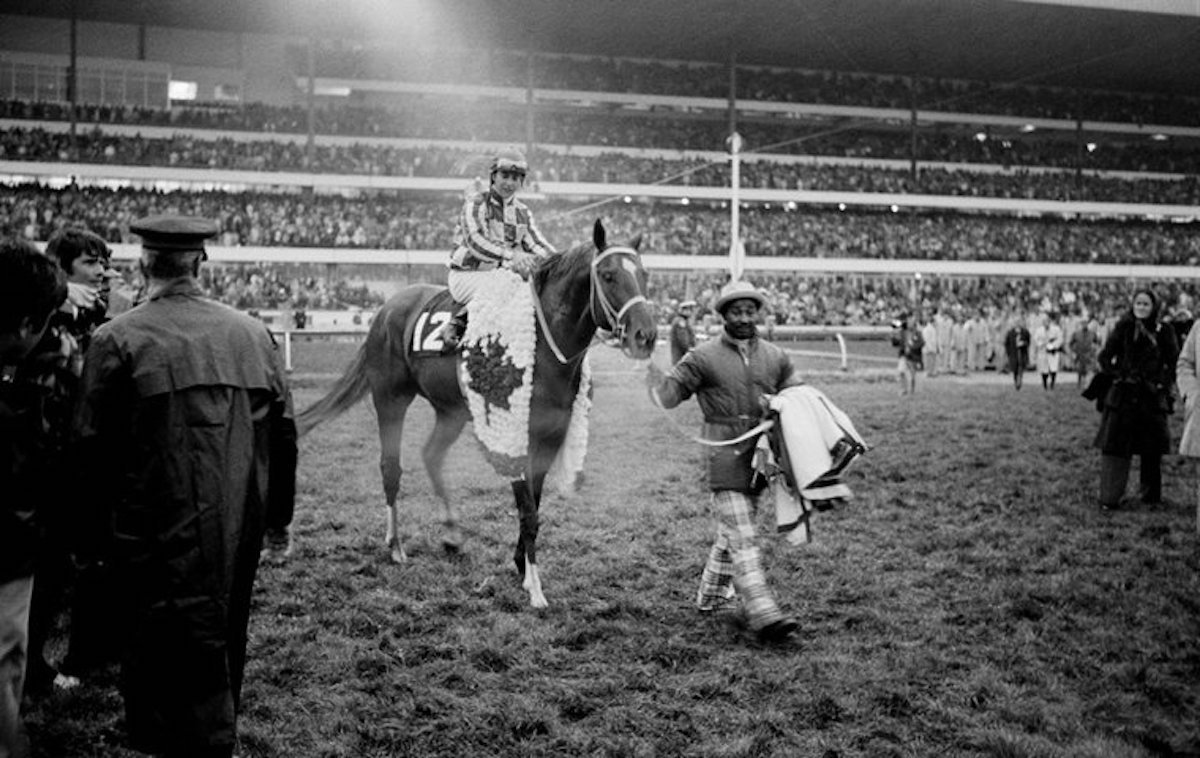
(734, 564)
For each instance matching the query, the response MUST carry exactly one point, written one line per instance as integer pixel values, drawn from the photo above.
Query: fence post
(842, 346)
(287, 350)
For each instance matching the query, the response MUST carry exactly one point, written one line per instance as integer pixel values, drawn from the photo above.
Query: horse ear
(636, 242)
(599, 236)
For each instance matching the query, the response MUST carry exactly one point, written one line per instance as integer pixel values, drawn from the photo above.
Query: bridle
(614, 318)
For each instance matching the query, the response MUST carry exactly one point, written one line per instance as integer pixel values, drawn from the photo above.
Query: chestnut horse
(580, 290)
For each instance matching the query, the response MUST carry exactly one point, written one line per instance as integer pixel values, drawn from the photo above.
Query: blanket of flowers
(496, 375)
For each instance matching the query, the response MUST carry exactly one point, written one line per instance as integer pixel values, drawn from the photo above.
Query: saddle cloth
(426, 338)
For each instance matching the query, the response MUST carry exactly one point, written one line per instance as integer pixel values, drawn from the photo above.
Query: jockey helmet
(510, 160)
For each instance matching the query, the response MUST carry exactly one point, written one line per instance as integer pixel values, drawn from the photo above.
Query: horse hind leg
(446, 429)
(391, 410)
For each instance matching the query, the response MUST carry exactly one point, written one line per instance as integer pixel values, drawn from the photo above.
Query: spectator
(1187, 372)
(908, 341)
(186, 410)
(1084, 344)
(31, 288)
(1139, 360)
(1016, 349)
(683, 333)
(929, 347)
(56, 364)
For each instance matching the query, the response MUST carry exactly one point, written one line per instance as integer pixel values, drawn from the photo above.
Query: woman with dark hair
(1139, 357)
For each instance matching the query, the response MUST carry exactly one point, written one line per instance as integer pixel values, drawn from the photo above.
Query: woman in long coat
(1139, 356)
(1187, 372)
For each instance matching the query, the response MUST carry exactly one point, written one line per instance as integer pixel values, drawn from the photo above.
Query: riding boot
(453, 331)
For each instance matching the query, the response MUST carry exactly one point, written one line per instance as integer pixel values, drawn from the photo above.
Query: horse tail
(349, 389)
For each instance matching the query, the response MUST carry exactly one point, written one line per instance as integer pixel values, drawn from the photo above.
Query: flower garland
(496, 376)
(497, 370)
(569, 461)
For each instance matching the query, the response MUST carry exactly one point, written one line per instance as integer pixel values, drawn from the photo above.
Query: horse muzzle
(639, 332)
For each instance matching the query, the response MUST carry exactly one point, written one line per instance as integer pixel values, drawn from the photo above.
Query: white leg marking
(393, 536)
(533, 585)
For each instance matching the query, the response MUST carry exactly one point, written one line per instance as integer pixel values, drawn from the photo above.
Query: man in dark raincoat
(186, 414)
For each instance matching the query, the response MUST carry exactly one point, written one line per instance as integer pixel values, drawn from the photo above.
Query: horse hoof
(452, 540)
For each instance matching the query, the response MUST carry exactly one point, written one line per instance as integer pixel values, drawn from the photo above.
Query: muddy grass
(971, 601)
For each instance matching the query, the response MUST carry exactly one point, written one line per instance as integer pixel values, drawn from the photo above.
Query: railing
(839, 333)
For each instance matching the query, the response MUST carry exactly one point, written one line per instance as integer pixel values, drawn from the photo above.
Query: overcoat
(186, 414)
(1188, 380)
(1141, 360)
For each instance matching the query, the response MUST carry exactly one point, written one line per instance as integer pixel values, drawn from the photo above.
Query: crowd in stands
(464, 121)
(270, 286)
(599, 74)
(860, 300)
(418, 222)
(185, 151)
(793, 299)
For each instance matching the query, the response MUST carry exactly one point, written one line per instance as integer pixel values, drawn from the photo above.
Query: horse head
(619, 301)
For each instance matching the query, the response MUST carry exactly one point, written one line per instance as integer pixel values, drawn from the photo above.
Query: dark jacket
(1140, 359)
(24, 448)
(729, 386)
(1016, 347)
(187, 413)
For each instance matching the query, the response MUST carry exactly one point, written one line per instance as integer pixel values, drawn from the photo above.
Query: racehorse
(575, 292)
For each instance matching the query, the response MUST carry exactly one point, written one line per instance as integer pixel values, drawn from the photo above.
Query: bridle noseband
(614, 319)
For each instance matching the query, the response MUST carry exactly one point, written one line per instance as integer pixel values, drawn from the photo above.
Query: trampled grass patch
(970, 601)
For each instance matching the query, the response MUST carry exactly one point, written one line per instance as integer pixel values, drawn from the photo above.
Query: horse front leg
(525, 557)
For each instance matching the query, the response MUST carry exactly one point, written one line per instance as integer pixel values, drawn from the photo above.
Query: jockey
(495, 230)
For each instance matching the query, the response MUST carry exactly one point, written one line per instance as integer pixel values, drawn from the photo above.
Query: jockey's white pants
(464, 284)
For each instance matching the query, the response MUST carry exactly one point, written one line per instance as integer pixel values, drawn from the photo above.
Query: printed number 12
(433, 340)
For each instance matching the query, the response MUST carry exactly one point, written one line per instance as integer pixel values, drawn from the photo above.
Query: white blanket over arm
(820, 442)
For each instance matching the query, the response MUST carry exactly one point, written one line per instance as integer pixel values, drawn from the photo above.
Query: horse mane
(559, 266)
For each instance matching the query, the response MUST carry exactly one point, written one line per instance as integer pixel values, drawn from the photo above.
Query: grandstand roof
(1053, 42)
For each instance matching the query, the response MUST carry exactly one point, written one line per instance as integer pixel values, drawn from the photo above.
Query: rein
(612, 316)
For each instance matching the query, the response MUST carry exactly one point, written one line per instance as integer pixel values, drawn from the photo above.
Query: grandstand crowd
(408, 221)
(188, 151)
(513, 69)
(785, 154)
